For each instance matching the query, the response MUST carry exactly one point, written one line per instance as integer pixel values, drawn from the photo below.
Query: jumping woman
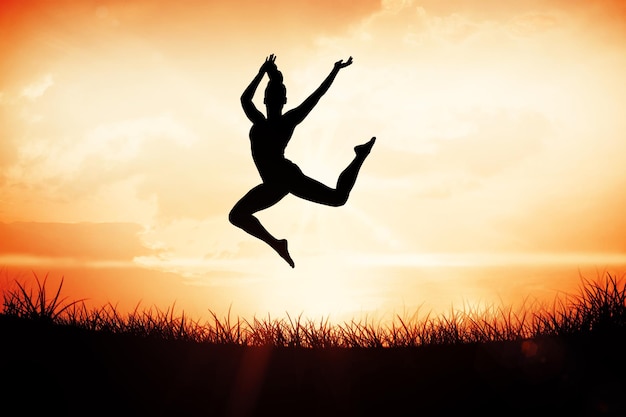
(269, 136)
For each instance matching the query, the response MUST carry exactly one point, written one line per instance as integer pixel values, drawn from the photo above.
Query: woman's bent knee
(236, 217)
(341, 200)
(338, 201)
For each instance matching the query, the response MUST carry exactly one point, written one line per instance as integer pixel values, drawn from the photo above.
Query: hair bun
(275, 75)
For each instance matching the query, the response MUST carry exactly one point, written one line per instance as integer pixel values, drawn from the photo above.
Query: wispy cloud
(489, 259)
(530, 24)
(38, 88)
(61, 262)
(114, 243)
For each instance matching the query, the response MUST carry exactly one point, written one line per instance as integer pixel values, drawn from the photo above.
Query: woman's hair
(275, 74)
(275, 89)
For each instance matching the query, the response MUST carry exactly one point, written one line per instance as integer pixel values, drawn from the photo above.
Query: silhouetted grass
(599, 308)
(38, 305)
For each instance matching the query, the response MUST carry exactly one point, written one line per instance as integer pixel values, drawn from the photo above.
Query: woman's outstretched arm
(299, 113)
(246, 98)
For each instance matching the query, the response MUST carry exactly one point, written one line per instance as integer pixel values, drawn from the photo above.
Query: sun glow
(322, 290)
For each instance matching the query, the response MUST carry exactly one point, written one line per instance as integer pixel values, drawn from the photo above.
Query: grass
(566, 358)
(598, 308)
(38, 305)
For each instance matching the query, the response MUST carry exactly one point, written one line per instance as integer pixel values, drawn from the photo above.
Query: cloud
(492, 143)
(8, 149)
(79, 241)
(585, 217)
(184, 175)
(407, 25)
(38, 88)
(531, 24)
(71, 159)
(448, 149)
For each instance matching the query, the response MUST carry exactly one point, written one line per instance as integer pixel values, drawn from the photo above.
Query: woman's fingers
(342, 64)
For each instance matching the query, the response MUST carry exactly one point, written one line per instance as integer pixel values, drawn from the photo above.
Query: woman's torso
(268, 140)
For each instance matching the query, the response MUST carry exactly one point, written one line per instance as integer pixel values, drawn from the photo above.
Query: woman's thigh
(312, 190)
(261, 197)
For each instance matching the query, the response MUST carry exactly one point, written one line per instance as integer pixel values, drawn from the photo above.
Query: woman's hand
(340, 64)
(269, 64)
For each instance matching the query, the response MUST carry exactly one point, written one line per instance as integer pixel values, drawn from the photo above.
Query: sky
(498, 170)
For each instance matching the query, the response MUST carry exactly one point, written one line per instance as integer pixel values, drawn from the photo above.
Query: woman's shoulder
(291, 118)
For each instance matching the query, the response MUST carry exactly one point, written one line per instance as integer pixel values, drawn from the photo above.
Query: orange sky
(498, 169)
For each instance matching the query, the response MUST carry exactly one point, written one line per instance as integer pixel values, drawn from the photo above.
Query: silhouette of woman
(269, 136)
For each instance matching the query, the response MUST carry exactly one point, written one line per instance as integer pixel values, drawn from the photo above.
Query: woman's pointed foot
(281, 248)
(364, 149)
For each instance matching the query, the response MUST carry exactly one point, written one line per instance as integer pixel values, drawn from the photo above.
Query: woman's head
(275, 92)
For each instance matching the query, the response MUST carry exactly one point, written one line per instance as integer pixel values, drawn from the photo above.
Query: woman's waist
(277, 167)
(274, 162)
(274, 154)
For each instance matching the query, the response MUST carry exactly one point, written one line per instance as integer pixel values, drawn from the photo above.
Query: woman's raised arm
(299, 113)
(246, 98)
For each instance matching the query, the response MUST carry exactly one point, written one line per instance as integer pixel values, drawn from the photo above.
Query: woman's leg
(259, 198)
(312, 190)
